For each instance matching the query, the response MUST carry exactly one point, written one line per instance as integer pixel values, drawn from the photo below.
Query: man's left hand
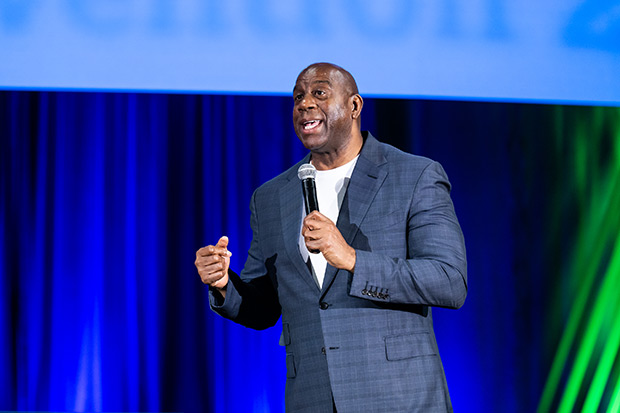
(321, 234)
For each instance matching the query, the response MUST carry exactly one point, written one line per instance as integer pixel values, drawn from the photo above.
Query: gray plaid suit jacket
(365, 341)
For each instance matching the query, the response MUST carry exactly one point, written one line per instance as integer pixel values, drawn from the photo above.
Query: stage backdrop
(526, 50)
(104, 199)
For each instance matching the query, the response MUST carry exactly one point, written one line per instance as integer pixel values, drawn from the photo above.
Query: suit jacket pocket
(404, 346)
(290, 366)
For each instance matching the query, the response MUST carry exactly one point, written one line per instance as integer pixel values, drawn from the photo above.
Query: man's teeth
(311, 124)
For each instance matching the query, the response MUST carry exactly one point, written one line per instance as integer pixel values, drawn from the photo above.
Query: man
(356, 321)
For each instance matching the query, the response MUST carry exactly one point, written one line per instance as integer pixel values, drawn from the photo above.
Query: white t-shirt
(331, 186)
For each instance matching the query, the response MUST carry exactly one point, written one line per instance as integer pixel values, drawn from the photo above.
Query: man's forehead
(314, 75)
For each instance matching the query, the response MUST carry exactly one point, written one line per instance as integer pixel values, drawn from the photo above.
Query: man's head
(327, 108)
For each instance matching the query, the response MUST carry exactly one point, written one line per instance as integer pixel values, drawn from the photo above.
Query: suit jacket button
(323, 350)
(324, 305)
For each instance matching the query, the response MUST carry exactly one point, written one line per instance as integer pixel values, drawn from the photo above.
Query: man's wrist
(219, 292)
(351, 267)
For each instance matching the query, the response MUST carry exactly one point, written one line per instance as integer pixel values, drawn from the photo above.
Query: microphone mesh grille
(306, 171)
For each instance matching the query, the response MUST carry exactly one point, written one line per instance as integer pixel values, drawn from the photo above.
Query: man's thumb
(223, 242)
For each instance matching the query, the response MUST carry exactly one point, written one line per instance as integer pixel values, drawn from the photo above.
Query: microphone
(306, 174)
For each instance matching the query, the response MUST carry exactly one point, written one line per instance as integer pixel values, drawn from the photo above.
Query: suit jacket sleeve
(251, 298)
(435, 270)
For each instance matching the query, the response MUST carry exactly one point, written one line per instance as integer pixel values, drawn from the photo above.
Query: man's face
(322, 109)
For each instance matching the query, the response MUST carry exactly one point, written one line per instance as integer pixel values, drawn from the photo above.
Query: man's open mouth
(311, 124)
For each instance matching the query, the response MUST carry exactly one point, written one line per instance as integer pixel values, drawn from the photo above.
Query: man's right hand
(212, 263)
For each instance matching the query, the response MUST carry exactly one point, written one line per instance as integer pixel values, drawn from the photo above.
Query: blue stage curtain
(105, 197)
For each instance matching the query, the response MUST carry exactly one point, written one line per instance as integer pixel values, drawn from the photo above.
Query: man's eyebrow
(327, 82)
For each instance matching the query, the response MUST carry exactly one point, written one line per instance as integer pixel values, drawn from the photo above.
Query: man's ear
(356, 106)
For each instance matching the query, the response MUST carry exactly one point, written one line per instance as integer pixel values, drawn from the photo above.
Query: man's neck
(333, 159)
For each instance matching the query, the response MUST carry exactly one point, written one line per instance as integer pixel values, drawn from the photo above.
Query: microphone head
(306, 171)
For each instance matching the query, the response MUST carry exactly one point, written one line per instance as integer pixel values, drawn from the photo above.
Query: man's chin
(312, 142)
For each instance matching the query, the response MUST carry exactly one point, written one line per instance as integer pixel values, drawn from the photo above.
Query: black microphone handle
(310, 200)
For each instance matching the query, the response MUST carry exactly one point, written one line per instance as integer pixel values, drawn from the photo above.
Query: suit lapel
(291, 204)
(367, 178)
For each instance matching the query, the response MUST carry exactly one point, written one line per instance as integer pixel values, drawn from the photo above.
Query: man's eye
(319, 92)
(298, 97)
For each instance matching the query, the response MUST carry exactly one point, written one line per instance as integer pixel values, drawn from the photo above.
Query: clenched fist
(212, 263)
(321, 234)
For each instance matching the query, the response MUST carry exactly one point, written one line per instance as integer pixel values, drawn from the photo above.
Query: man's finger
(222, 242)
(221, 283)
(211, 278)
(312, 223)
(213, 250)
(203, 252)
(317, 216)
(311, 233)
(213, 266)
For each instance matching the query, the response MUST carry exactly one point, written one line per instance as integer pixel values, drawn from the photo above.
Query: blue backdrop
(530, 50)
(104, 199)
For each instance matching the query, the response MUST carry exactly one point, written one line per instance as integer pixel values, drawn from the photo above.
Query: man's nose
(307, 102)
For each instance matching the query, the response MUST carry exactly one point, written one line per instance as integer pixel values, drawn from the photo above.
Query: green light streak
(606, 362)
(592, 188)
(609, 290)
(614, 405)
(592, 252)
